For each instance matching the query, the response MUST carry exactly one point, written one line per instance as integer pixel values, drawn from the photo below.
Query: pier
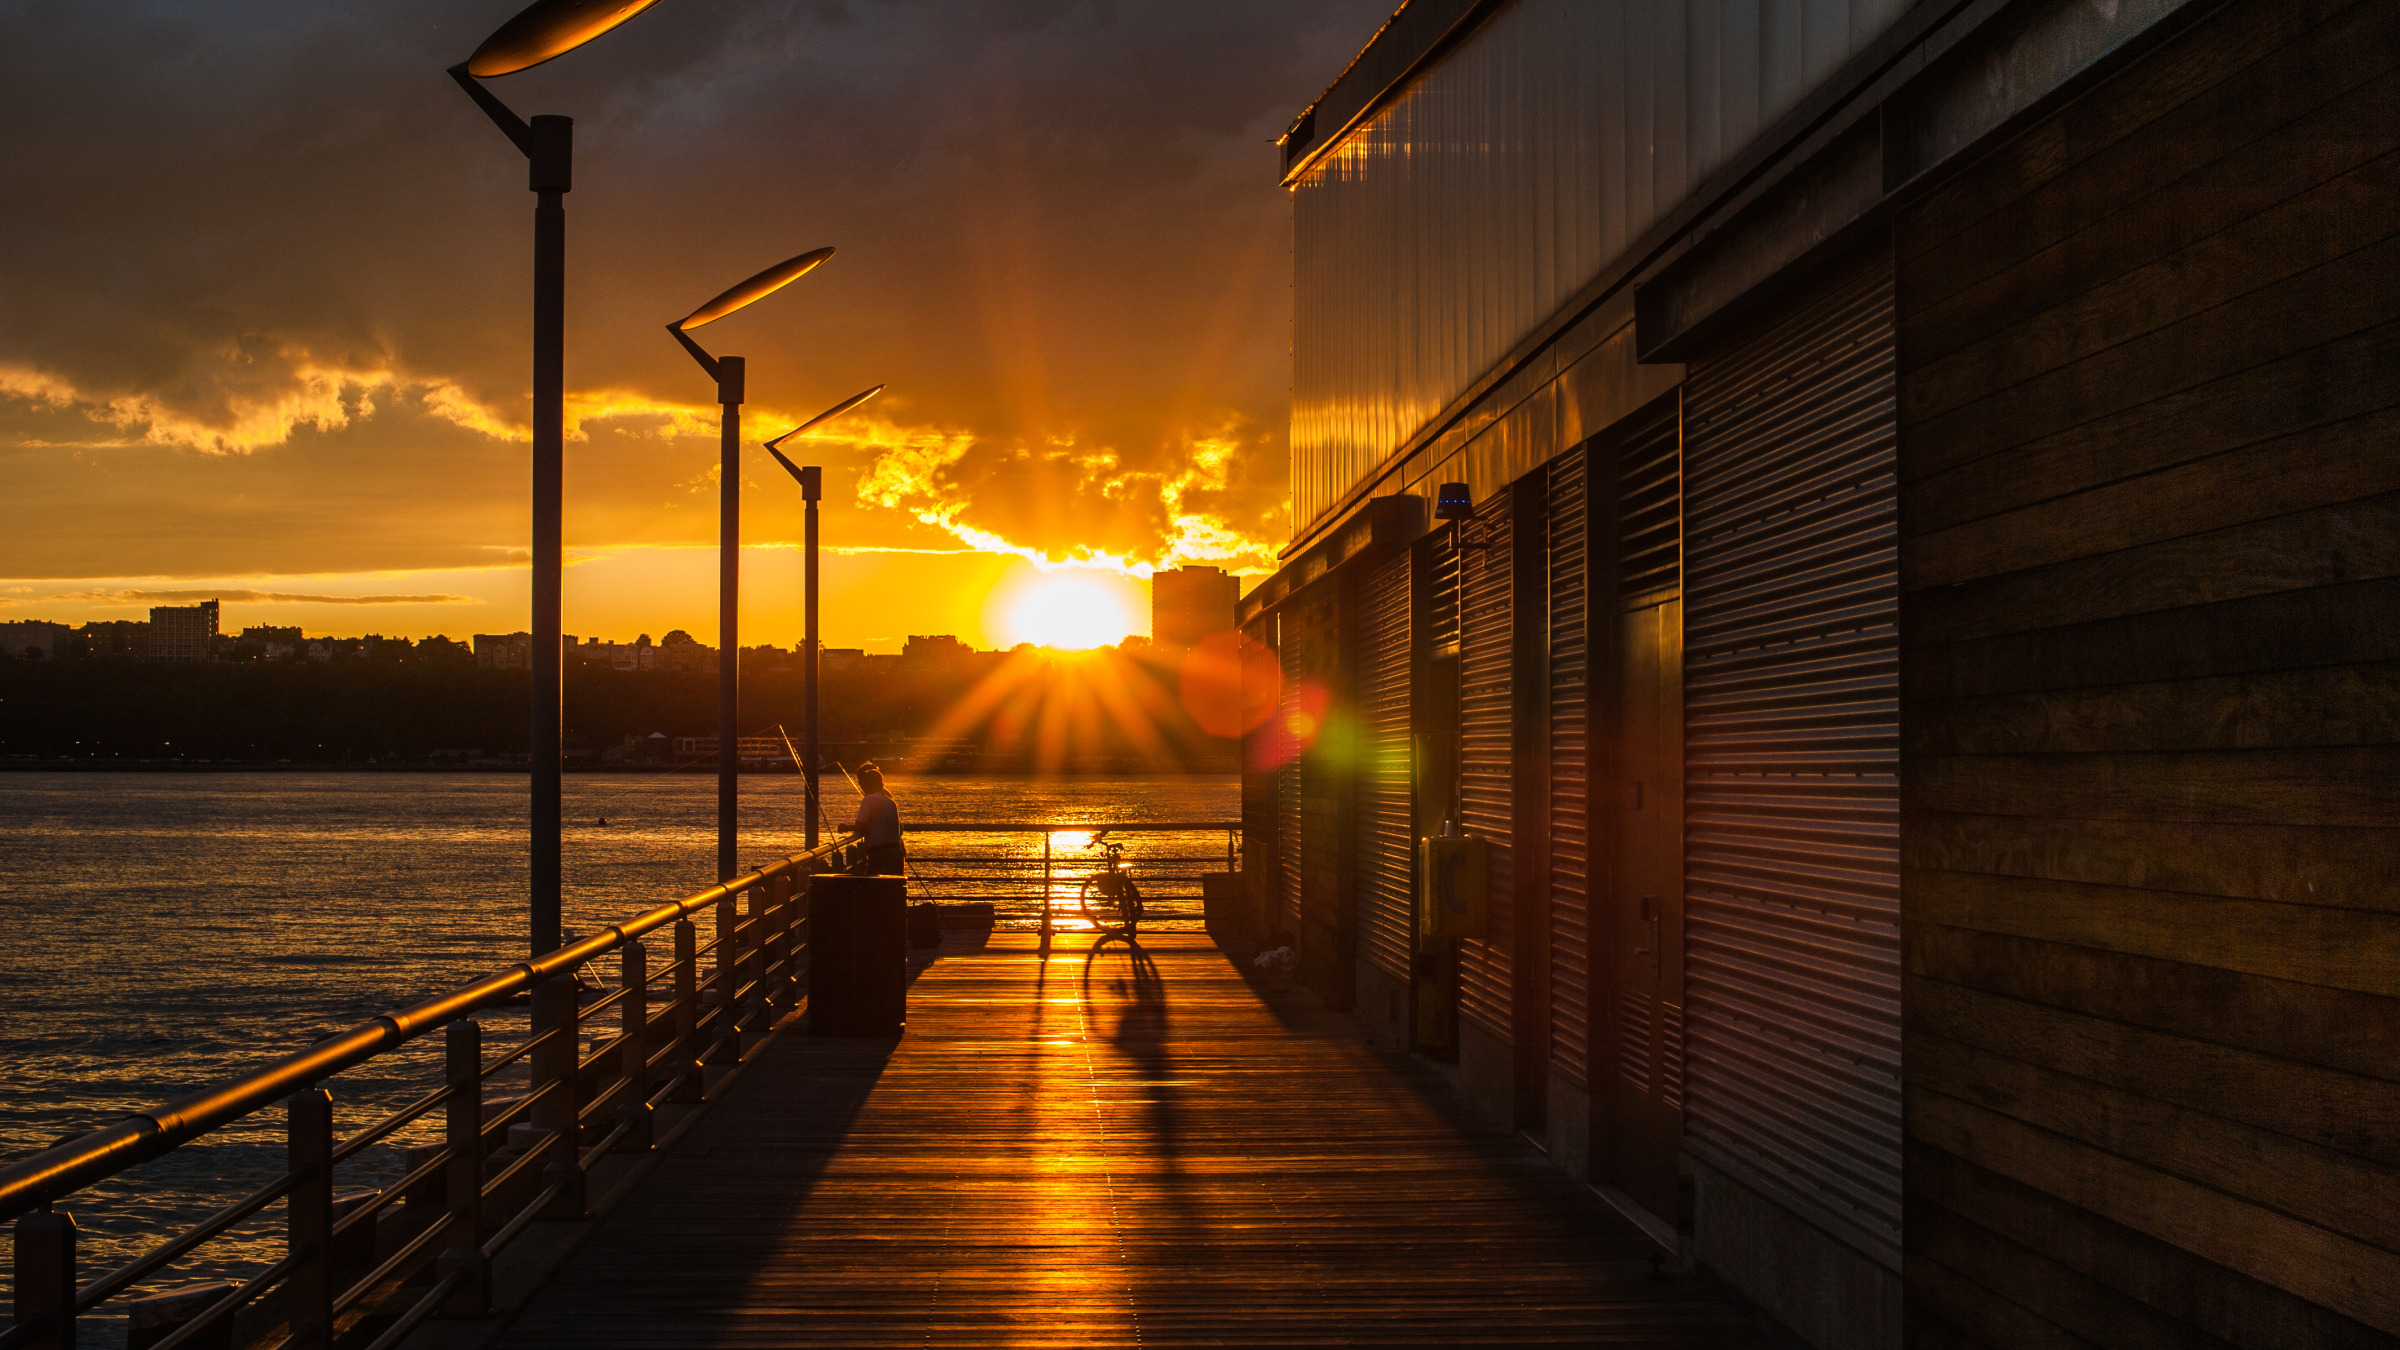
(1077, 1141)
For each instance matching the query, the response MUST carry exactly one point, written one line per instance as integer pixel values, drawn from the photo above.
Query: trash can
(925, 925)
(857, 956)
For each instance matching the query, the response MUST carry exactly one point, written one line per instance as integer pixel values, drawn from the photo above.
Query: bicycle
(1108, 897)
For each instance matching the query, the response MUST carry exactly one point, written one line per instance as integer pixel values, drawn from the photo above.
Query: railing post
(690, 1081)
(780, 910)
(45, 1277)
(633, 1052)
(556, 1010)
(309, 1217)
(1045, 890)
(462, 1178)
(725, 1046)
(759, 953)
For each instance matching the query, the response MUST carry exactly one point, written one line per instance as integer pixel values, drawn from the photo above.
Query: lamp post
(728, 372)
(812, 487)
(540, 31)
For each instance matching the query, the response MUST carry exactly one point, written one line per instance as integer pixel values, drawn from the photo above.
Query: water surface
(167, 930)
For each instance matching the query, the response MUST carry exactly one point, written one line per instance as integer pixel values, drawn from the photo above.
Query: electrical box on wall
(1455, 868)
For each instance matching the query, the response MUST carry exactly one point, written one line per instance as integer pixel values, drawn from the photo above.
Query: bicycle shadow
(1133, 1018)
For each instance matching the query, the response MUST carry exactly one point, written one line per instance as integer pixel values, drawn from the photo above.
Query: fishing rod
(913, 873)
(824, 825)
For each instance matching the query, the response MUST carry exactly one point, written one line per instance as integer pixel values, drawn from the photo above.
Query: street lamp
(727, 371)
(812, 486)
(540, 31)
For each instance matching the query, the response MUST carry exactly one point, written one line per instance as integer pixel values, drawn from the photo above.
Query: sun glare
(1068, 611)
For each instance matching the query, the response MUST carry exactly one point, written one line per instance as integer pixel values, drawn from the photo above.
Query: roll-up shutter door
(1649, 574)
(1792, 920)
(1386, 810)
(1487, 759)
(1570, 797)
(1297, 661)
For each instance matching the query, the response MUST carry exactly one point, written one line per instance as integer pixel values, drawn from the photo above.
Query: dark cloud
(277, 230)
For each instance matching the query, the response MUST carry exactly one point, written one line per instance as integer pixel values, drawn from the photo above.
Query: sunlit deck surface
(1108, 1149)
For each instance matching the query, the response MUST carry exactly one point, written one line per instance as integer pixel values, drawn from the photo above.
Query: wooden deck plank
(1095, 1152)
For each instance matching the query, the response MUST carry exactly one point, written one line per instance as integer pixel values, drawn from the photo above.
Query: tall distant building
(183, 634)
(1190, 603)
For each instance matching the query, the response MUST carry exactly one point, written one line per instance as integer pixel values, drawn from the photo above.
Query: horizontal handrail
(57, 1172)
(1052, 827)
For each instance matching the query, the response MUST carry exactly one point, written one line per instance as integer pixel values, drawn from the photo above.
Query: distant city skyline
(351, 618)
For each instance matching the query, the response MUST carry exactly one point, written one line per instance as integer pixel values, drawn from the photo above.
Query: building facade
(183, 634)
(1879, 521)
(1191, 603)
(33, 639)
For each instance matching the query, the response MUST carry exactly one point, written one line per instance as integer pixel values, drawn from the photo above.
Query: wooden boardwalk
(1108, 1149)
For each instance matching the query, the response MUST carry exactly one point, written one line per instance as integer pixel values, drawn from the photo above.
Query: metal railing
(462, 1202)
(1047, 884)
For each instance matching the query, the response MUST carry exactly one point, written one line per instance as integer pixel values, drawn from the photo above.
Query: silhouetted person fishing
(877, 826)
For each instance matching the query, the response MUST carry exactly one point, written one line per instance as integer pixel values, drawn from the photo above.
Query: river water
(167, 930)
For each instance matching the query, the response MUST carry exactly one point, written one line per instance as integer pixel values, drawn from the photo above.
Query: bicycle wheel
(1103, 900)
(1129, 903)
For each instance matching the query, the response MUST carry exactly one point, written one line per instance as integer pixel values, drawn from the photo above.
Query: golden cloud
(243, 398)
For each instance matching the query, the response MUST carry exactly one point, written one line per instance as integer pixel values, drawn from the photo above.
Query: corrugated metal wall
(1487, 753)
(1792, 921)
(1386, 807)
(1468, 209)
(1570, 765)
(1298, 659)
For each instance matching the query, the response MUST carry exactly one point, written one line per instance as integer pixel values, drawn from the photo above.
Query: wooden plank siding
(2149, 394)
(1110, 1149)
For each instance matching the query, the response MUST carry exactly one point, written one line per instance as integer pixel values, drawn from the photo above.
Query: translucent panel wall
(1467, 210)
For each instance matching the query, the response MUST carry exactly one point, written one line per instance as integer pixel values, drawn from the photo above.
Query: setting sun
(1067, 610)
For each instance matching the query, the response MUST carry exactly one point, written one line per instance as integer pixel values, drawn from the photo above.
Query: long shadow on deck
(1113, 1146)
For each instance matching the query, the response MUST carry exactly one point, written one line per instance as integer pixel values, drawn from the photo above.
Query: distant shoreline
(607, 770)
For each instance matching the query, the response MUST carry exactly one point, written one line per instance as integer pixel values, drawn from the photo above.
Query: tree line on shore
(426, 712)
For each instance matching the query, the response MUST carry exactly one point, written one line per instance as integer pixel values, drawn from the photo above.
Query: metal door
(1643, 931)
(1386, 806)
(1792, 681)
(1487, 753)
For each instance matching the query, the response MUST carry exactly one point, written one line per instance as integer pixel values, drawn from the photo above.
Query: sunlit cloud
(240, 597)
(917, 472)
(253, 394)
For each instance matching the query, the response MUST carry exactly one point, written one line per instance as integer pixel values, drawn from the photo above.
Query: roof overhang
(1416, 34)
(1382, 525)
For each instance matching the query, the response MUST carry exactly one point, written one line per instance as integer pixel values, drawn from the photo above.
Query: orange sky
(265, 286)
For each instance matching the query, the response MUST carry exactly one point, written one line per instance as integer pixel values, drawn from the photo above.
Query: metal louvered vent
(1441, 590)
(1792, 912)
(1570, 758)
(1386, 808)
(1649, 491)
(1487, 758)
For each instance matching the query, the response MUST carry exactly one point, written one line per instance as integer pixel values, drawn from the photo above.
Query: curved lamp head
(548, 28)
(758, 287)
(826, 416)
